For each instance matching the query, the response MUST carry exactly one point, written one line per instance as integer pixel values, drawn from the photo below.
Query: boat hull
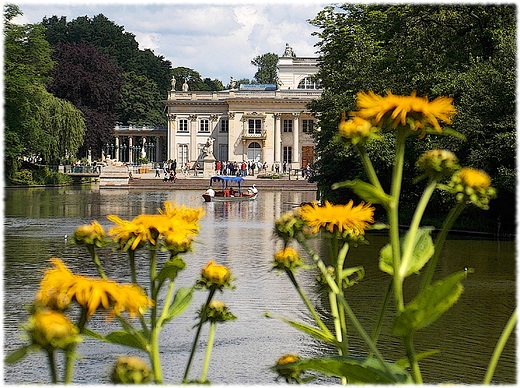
(246, 197)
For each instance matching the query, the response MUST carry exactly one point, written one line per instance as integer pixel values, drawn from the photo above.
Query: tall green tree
(267, 65)
(140, 102)
(192, 78)
(92, 82)
(464, 51)
(37, 124)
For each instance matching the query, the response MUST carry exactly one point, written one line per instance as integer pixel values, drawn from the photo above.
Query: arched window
(254, 152)
(309, 83)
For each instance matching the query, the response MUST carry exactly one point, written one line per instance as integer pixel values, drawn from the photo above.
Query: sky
(216, 39)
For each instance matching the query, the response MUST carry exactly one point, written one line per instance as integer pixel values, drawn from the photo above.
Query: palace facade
(265, 123)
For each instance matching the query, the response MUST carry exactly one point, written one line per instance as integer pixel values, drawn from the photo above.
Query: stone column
(116, 155)
(172, 131)
(158, 147)
(193, 151)
(130, 151)
(296, 141)
(277, 136)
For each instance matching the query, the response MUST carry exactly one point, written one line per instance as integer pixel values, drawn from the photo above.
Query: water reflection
(239, 235)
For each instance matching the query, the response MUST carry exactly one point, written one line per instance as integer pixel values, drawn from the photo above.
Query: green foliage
(465, 51)
(140, 101)
(267, 68)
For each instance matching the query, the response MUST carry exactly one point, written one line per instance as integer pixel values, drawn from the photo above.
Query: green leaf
(405, 362)
(422, 252)
(429, 305)
(126, 339)
(365, 191)
(312, 331)
(171, 269)
(17, 355)
(359, 271)
(181, 300)
(93, 334)
(356, 370)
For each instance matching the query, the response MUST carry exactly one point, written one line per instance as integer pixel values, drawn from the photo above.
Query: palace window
(183, 126)
(224, 126)
(204, 126)
(287, 154)
(255, 126)
(307, 125)
(287, 125)
(309, 83)
(254, 152)
(182, 154)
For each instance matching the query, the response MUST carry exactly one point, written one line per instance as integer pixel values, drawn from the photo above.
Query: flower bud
(437, 163)
(51, 329)
(131, 370)
(289, 225)
(290, 373)
(287, 259)
(217, 311)
(215, 275)
(472, 186)
(91, 234)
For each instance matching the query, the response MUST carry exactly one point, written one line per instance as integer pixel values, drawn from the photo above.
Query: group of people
(241, 168)
(170, 170)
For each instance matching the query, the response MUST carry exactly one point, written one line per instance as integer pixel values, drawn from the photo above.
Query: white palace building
(266, 123)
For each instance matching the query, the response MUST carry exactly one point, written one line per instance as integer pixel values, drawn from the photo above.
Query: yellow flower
(59, 287)
(475, 179)
(52, 329)
(179, 222)
(185, 213)
(355, 127)
(287, 258)
(338, 218)
(90, 234)
(215, 275)
(398, 109)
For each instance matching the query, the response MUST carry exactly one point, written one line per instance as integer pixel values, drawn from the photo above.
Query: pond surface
(239, 235)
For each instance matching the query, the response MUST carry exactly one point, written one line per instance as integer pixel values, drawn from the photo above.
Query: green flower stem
(95, 258)
(155, 356)
(439, 242)
(377, 329)
(166, 304)
(369, 168)
(131, 256)
(412, 358)
(71, 349)
(340, 263)
(305, 300)
(500, 346)
(153, 275)
(363, 333)
(343, 301)
(211, 338)
(337, 325)
(414, 226)
(196, 339)
(393, 215)
(52, 365)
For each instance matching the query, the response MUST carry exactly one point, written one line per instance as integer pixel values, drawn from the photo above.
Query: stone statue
(207, 149)
(185, 86)
(233, 82)
(173, 84)
(288, 51)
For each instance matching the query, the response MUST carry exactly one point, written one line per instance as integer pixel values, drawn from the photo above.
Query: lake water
(239, 235)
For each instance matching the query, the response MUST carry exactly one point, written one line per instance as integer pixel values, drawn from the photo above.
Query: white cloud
(218, 40)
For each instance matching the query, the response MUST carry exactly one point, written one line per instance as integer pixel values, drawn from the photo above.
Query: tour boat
(227, 194)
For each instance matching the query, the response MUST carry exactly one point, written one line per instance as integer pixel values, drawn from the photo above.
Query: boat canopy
(227, 179)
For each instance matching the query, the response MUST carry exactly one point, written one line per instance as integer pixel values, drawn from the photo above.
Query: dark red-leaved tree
(92, 82)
